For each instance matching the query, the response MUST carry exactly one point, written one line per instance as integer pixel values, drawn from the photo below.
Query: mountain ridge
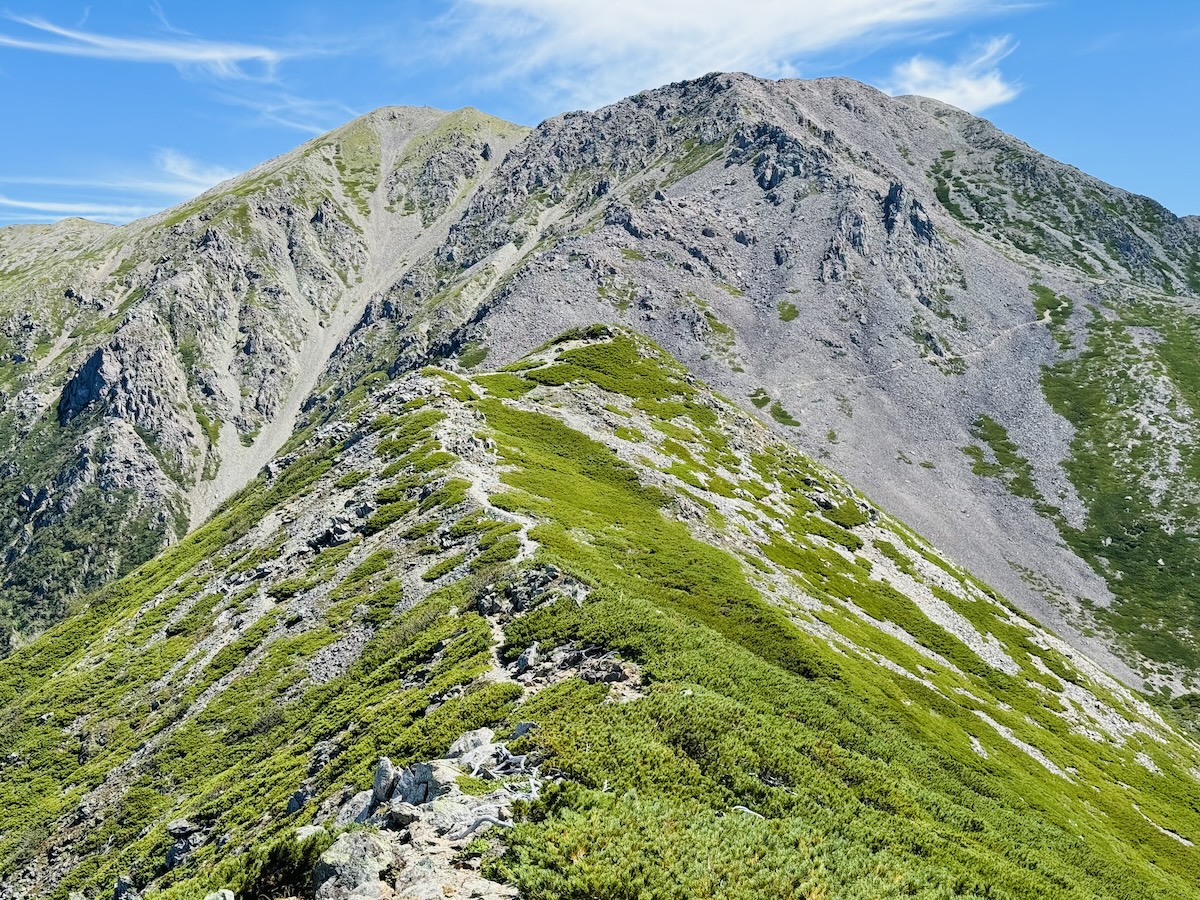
(439, 436)
(593, 542)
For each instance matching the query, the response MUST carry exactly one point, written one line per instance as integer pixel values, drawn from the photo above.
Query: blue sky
(116, 110)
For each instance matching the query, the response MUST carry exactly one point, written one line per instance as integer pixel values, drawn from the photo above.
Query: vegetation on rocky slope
(144, 369)
(889, 724)
(1133, 395)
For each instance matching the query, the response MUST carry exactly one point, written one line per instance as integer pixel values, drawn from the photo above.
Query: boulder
(422, 782)
(385, 777)
(484, 756)
(401, 815)
(181, 828)
(355, 810)
(522, 729)
(298, 800)
(355, 867)
(469, 741)
(187, 838)
(304, 832)
(530, 658)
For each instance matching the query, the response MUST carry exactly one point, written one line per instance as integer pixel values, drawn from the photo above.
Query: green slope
(895, 727)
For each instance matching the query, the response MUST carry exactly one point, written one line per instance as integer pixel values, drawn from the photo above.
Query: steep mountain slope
(149, 371)
(995, 346)
(696, 646)
(922, 300)
(714, 668)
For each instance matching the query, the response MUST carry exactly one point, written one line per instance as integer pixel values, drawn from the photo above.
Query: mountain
(994, 345)
(421, 413)
(149, 371)
(694, 648)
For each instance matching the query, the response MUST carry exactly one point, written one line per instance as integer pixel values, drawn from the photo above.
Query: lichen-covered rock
(356, 809)
(356, 866)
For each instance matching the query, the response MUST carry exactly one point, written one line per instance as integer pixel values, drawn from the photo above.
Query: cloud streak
(974, 82)
(185, 177)
(595, 51)
(301, 114)
(191, 173)
(218, 58)
(50, 207)
(121, 198)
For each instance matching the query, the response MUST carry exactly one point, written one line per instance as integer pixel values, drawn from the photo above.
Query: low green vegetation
(1137, 499)
(1055, 311)
(472, 355)
(999, 457)
(357, 159)
(782, 416)
(713, 734)
(771, 752)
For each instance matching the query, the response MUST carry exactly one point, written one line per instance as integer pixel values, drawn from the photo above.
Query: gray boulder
(304, 832)
(355, 867)
(188, 837)
(355, 810)
(469, 741)
(181, 828)
(484, 756)
(298, 800)
(529, 659)
(422, 782)
(385, 777)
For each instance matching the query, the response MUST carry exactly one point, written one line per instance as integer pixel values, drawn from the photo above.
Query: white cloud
(297, 113)
(114, 198)
(173, 175)
(196, 176)
(89, 210)
(222, 59)
(974, 82)
(594, 51)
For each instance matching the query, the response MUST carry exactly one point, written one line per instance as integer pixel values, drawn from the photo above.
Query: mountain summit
(475, 483)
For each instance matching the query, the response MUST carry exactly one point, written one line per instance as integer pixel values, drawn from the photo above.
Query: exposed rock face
(185, 344)
(354, 867)
(424, 821)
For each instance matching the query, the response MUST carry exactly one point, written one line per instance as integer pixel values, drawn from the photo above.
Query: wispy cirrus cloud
(173, 174)
(973, 82)
(87, 210)
(594, 51)
(119, 198)
(191, 174)
(279, 107)
(221, 59)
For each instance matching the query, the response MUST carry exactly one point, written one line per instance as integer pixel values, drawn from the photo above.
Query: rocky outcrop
(424, 822)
